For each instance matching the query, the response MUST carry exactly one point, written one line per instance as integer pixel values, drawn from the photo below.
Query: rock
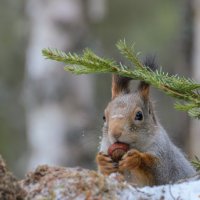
(69, 183)
(59, 183)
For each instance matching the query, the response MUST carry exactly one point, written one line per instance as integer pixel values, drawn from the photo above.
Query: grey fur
(145, 136)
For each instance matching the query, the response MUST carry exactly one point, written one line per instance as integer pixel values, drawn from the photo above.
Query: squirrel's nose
(116, 128)
(116, 134)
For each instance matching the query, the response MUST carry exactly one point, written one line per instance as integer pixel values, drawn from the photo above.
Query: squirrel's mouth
(123, 141)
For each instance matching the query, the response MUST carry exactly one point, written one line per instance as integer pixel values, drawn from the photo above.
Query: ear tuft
(143, 88)
(151, 62)
(120, 85)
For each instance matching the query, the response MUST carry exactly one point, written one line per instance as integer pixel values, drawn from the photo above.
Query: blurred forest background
(50, 116)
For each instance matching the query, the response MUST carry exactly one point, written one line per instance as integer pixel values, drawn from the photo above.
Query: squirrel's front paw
(105, 164)
(140, 164)
(134, 159)
(130, 160)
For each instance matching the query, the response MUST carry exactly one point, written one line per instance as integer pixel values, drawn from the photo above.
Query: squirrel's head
(129, 117)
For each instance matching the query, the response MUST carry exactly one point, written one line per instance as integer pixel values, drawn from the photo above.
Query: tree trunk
(58, 105)
(195, 124)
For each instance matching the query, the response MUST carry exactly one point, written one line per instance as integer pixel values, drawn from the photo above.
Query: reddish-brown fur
(119, 84)
(138, 163)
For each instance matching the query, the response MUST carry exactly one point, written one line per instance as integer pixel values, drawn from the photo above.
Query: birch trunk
(58, 105)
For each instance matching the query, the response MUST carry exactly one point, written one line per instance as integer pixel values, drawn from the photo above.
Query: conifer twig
(181, 88)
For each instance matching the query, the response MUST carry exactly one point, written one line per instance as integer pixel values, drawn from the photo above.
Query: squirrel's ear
(143, 90)
(119, 85)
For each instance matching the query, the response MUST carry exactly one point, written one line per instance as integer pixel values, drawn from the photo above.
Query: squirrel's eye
(104, 118)
(139, 116)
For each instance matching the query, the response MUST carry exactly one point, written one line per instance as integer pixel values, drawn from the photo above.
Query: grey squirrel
(152, 159)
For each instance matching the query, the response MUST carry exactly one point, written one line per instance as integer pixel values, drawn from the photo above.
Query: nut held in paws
(117, 150)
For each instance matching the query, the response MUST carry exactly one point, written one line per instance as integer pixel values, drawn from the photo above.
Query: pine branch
(196, 163)
(88, 63)
(181, 88)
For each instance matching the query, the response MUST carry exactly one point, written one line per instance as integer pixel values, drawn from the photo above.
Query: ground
(60, 183)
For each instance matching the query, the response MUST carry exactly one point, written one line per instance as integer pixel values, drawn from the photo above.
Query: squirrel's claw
(105, 164)
(130, 160)
(134, 159)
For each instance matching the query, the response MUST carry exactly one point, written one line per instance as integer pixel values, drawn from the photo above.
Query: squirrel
(152, 158)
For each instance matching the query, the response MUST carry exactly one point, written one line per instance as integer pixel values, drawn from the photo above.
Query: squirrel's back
(172, 165)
